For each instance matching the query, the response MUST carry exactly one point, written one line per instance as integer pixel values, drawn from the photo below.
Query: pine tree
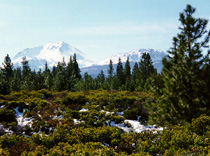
(127, 73)
(100, 79)
(45, 69)
(111, 69)
(76, 70)
(88, 82)
(3, 85)
(146, 69)
(7, 74)
(135, 74)
(28, 82)
(54, 71)
(60, 83)
(182, 97)
(15, 84)
(48, 81)
(39, 81)
(127, 70)
(69, 75)
(115, 83)
(206, 90)
(7, 69)
(69, 68)
(120, 73)
(25, 68)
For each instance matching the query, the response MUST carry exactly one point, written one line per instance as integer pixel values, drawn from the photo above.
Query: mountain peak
(52, 53)
(55, 45)
(135, 56)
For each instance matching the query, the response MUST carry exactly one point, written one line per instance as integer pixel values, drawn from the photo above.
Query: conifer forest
(138, 111)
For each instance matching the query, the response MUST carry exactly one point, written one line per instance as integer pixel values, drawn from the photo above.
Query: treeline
(67, 76)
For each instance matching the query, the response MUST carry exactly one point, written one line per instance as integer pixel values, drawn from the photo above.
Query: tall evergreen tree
(48, 81)
(25, 68)
(101, 79)
(3, 85)
(28, 82)
(69, 75)
(127, 73)
(39, 80)
(7, 74)
(146, 69)
(120, 73)
(7, 69)
(54, 71)
(15, 84)
(127, 70)
(69, 68)
(88, 82)
(60, 83)
(206, 90)
(182, 97)
(111, 69)
(45, 69)
(76, 70)
(115, 83)
(135, 74)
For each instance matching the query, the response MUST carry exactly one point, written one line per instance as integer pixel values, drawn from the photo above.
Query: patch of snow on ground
(21, 120)
(107, 145)
(83, 110)
(58, 117)
(120, 113)
(136, 126)
(5, 130)
(107, 112)
(76, 121)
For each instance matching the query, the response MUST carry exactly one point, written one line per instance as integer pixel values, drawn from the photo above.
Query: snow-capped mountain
(135, 56)
(52, 53)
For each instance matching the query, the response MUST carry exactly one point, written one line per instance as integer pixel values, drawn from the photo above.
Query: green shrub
(131, 114)
(47, 94)
(74, 101)
(201, 124)
(7, 115)
(15, 144)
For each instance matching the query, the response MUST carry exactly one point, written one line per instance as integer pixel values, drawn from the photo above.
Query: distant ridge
(54, 52)
(135, 56)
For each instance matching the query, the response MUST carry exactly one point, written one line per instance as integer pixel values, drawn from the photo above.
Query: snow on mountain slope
(156, 56)
(52, 53)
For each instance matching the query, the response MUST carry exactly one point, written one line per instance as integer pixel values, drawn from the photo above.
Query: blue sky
(99, 28)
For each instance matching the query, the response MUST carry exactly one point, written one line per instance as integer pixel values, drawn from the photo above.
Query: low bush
(201, 125)
(7, 115)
